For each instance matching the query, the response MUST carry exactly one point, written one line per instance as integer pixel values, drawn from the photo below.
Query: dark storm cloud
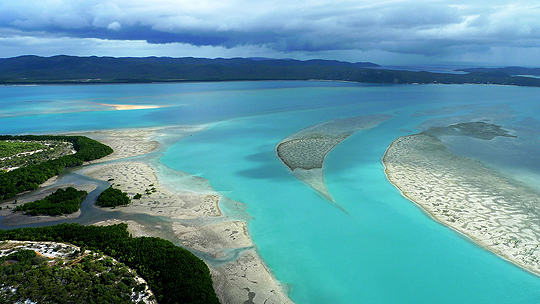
(426, 28)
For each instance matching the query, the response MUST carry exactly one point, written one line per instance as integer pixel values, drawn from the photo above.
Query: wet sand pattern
(304, 152)
(499, 214)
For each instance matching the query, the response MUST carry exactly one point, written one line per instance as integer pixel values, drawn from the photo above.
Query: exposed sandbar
(126, 143)
(499, 214)
(304, 152)
(138, 177)
(122, 107)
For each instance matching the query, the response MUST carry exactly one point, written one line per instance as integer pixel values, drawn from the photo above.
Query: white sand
(122, 107)
(497, 213)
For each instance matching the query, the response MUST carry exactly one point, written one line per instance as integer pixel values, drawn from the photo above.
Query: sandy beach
(497, 213)
(194, 217)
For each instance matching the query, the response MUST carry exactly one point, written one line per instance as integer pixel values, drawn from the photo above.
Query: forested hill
(70, 69)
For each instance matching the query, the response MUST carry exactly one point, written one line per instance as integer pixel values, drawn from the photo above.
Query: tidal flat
(195, 218)
(494, 211)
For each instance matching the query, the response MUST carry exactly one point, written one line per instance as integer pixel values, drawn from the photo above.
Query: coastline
(496, 213)
(193, 219)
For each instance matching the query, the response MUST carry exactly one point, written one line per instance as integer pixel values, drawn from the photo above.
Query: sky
(387, 32)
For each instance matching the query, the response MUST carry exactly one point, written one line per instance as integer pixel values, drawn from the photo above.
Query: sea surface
(382, 248)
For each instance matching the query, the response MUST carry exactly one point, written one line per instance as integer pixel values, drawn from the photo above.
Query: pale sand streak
(497, 213)
(241, 280)
(130, 107)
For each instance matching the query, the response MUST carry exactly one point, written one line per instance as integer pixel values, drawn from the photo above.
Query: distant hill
(70, 69)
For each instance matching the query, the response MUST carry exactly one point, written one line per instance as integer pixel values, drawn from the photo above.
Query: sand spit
(125, 143)
(195, 219)
(304, 152)
(497, 213)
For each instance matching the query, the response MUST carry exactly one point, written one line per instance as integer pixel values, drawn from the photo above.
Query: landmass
(494, 211)
(512, 70)
(190, 218)
(53, 270)
(31, 174)
(304, 152)
(174, 274)
(86, 70)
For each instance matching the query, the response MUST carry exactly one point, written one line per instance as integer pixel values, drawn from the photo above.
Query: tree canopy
(58, 203)
(30, 177)
(174, 274)
(112, 197)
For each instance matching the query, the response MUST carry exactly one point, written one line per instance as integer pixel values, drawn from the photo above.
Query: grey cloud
(425, 28)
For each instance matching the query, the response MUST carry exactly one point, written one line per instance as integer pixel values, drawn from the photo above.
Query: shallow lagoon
(385, 250)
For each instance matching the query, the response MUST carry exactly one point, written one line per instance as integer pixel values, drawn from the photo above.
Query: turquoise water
(385, 249)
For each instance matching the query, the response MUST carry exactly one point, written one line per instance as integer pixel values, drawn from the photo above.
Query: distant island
(512, 71)
(79, 70)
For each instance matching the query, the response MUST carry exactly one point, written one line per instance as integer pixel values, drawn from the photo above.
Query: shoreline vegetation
(495, 212)
(52, 270)
(100, 70)
(173, 274)
(29, 177)
(60, 202)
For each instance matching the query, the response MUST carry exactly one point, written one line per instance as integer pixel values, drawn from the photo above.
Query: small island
(58, 203)
(112, 197)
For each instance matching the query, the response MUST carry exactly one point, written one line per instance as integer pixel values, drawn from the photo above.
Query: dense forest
(173, 274)
(21, 154)
(58, 203)
(88, 279)
(71, 69)
(30, 177)
(8, 148)
(112, 197)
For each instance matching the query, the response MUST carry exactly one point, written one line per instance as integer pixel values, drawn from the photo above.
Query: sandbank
(497, 213)
(304, 152)
(122, 107)
(125, 143)
(194, 217)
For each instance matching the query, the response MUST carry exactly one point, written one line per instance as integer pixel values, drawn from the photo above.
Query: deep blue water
(384, 250)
